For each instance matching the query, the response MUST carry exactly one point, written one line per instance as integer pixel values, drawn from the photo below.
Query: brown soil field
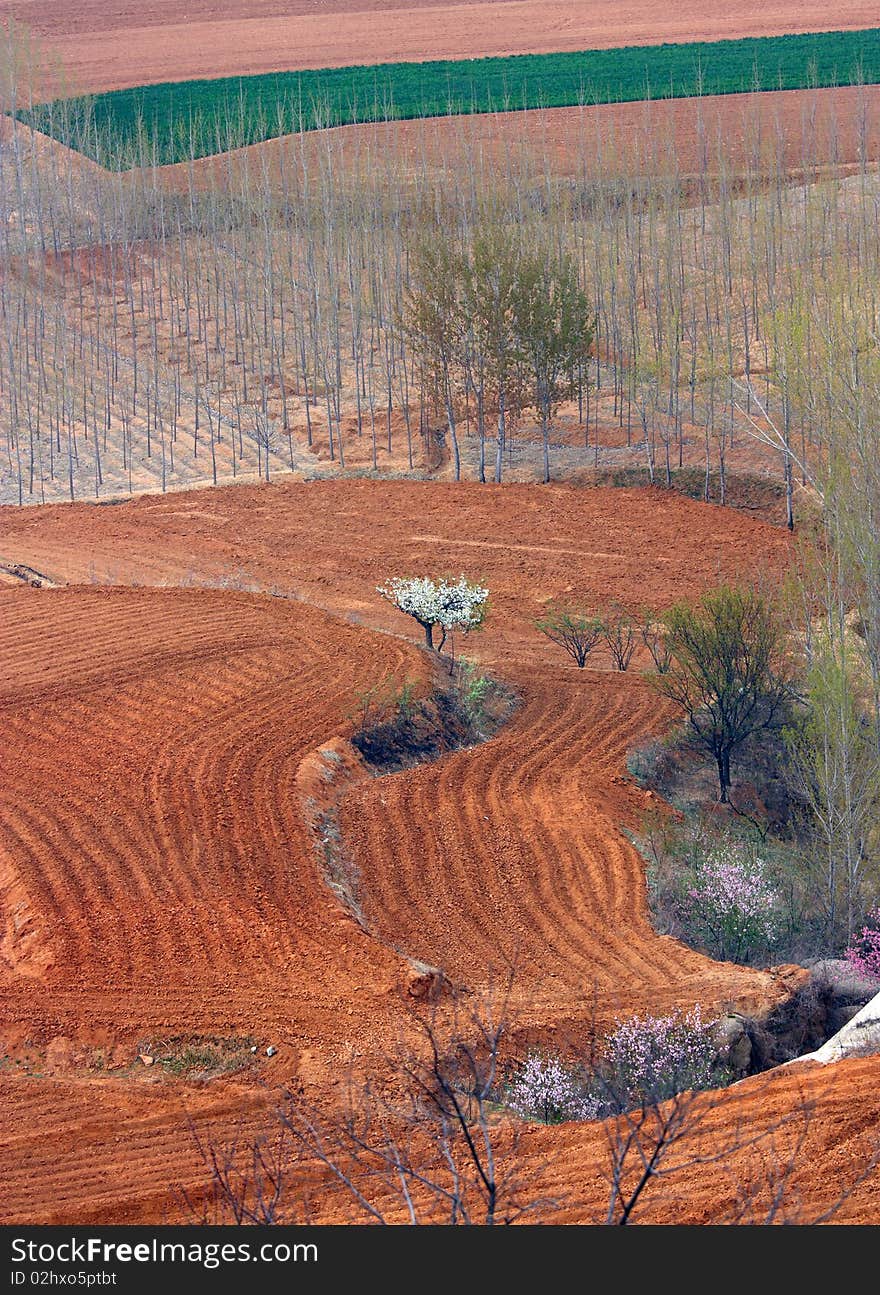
(159, 877)
(832, 1112)
(832, 127)
(104, 46)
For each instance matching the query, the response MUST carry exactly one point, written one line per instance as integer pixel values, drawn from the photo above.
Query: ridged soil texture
(157, 874)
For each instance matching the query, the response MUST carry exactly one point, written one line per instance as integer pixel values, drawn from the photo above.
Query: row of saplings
(443, 606)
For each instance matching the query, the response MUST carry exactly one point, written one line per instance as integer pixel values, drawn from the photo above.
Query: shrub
(644, 1060)
(396, 729)
(729, 892)
(472, 688)
(546, 1090)
(574, 631)
(732, 904)
(619, 633)
(648, 1059)
(863, 952)
(653, 634)
(643, 761)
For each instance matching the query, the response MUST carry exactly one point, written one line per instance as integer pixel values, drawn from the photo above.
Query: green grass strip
(175, 121)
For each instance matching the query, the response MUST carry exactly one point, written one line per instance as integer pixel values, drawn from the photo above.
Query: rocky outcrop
(832, 1004)
(860, 1037)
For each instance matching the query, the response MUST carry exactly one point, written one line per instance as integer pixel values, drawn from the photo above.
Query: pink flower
(864, 950)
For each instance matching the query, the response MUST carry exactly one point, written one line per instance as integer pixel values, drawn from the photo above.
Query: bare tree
(574, 631)
(437, 1148)
(657, 1151)
(433, 1152)
(619, 633)
(653, 634)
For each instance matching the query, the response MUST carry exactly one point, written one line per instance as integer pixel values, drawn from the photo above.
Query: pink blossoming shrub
(731, 905)
(863, 953)
(544, 1089)
(650, 1058)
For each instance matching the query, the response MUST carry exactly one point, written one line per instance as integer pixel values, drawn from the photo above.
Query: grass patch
(172, 122)
(400, 731)
(205, 1057)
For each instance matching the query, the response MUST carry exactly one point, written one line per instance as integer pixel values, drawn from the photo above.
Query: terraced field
(513, 855)
(157, 867)
(157, 871)
(826, 1118)
(176, 699)
(117, 1147)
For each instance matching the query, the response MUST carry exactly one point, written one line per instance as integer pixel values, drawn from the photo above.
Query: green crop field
(173, 122)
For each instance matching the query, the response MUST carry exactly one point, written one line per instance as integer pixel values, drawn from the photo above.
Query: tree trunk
(499, 445)
(453, 432)
(723, 762)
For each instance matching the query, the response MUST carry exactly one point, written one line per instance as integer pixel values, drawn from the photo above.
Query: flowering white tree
(451, 605)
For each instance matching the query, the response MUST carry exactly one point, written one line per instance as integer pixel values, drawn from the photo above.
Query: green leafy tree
(492, 293)
(434, 320)
(555, 327)
(727, 671)
(836, 769)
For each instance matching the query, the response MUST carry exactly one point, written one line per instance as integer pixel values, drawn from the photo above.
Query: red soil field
(115, 1148)
(796, 130)
(158, 873)
(104, 46)
(835, 1110)
(156, 867)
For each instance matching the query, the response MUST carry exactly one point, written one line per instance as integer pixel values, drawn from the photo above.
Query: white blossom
(459, 605)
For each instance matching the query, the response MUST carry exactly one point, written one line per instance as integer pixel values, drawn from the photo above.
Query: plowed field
(156, 874)
(104, 46)
(158, 877)
(815, 128)
(823, 1119)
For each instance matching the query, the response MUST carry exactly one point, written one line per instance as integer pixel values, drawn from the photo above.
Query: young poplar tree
(492, 290)
(555, 327)
(434, 320)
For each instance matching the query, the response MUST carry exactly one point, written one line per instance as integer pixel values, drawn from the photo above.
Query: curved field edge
(519, 835)
(829, 1115)
(174, 121)
(175, 764)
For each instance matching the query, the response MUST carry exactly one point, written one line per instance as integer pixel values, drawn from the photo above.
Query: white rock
(858, 1038)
